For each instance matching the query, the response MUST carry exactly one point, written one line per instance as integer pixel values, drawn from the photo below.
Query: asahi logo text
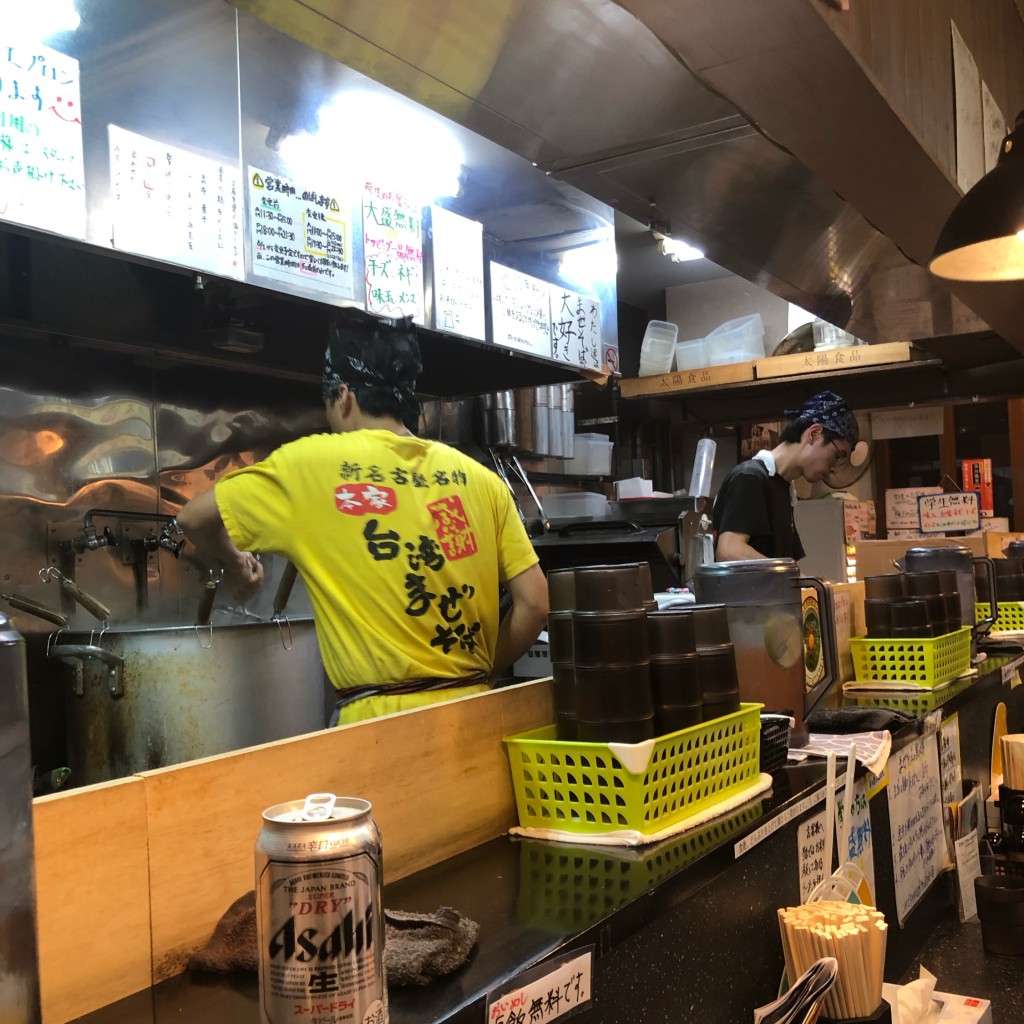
(347, 937)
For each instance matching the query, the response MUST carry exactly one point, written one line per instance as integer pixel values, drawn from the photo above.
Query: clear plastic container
(737, 341)
(574, 504)
(703, 466)
(658, 348)
(692, 354)
(592, 455)
(828, 336)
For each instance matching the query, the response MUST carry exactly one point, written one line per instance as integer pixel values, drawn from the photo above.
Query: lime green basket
(1011, 615)
(585, 788)
(925, 662)
(914, 703)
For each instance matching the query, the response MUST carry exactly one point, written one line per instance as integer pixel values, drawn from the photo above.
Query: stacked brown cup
(912, 605)
(716, 661)
(562, 601)
(611, 653)
(675, 675)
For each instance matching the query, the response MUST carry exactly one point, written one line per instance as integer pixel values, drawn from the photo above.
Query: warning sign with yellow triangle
(334, 207)
(257, 181)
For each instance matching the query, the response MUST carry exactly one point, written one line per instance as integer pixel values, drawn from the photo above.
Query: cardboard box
(875, 557)
(946, 1008)
(977, 476)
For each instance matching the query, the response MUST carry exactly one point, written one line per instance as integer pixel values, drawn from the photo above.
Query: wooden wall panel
(905, 44)
(438, 780)
(92, 897)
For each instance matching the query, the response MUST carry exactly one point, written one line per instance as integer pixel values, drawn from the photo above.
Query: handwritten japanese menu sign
(544, 993)
(457, 249)
(299, 234)
(915, 821)
(392, 252)
(942, 512)
(175, 206)
(901, 514)
(520, 311)
(811, 843)
(575, 328)
(41, 173)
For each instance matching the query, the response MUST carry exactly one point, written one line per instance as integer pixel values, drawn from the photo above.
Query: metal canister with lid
(319, 921)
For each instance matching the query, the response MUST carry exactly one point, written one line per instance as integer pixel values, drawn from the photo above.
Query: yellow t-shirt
(401, 543)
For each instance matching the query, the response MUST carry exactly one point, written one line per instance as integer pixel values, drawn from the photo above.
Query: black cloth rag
(842, 721)
(417, 947)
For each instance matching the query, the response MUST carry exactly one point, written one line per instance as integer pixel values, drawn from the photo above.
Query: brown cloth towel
(417, 947)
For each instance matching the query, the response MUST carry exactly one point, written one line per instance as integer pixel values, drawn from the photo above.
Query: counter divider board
(172, 848)
(92, 897)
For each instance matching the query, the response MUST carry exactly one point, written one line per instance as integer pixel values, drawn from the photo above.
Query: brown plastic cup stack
(675, 676)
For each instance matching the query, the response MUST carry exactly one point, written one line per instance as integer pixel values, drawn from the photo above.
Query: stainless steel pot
(187, 692)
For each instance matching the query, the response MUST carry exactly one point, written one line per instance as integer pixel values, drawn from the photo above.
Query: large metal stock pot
(147, 698)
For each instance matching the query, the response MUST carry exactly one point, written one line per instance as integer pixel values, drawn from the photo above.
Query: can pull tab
(318, 806)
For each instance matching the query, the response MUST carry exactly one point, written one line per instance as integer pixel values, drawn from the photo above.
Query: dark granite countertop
(534, 898)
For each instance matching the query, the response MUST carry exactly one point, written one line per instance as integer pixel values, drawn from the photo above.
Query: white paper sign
(544, 995)
(299, 235)
(968, 868)
(457, 248)
(42, 181)
(915, 821)
(575, 328)
(520, 311)
(810, 840)
(950, 771)
(392, 252)
(901, 510)
(940, 513)
(175, 206)
(861, 849)
(916, 422)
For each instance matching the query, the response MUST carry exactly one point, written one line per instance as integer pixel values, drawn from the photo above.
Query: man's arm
(201, 522)
(735, 547)
(529, 615)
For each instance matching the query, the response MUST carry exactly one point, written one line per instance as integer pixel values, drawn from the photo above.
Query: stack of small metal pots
(623, 671)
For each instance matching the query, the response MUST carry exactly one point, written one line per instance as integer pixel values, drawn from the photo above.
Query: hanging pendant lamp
(983, 240)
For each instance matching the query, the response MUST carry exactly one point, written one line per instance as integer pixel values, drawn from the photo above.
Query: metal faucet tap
(91, 539)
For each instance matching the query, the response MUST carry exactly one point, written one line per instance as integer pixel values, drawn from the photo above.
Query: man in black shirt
(753, 513)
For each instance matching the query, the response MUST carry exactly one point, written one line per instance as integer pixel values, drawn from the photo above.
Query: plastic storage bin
(657, 350)
(692, 354)
(585, 788)
(1011, 615)
(828, 336)
(737, 341)
(575, 504)
(592, 455)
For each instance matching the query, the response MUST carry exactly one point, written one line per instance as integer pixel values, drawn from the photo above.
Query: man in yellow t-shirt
(402, 543)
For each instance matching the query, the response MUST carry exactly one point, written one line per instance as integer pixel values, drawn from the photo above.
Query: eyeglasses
(844, 457)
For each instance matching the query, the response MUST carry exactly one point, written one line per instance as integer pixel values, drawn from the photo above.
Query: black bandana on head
(374, 355)
(832, 412)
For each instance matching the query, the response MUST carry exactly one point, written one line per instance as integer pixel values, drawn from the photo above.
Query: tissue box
(947, 1008)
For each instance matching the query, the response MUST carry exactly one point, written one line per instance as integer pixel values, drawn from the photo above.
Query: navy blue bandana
(832, 412)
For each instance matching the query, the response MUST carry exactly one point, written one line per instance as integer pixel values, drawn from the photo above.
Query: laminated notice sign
(940, 513)
(299, 234)
(392, 252)
(42, 181)
(575, 328)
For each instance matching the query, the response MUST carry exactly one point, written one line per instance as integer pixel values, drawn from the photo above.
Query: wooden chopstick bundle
(1012, 745)
(854, 935)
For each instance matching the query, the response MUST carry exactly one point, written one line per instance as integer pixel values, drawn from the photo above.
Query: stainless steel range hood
(747, 128)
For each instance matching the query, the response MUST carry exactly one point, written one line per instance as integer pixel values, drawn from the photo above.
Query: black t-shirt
(752, 502)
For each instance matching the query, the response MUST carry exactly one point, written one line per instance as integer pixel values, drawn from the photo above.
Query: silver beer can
(319, 920)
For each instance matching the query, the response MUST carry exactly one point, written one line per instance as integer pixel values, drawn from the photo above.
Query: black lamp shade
(983, 240)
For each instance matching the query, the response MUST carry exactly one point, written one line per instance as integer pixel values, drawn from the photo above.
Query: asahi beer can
(318, 913)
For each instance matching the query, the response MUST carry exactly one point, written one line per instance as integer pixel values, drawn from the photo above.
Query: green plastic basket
(1011, 616)
(585, 788)
(926, 662)
(561, 886)
(919, 703)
